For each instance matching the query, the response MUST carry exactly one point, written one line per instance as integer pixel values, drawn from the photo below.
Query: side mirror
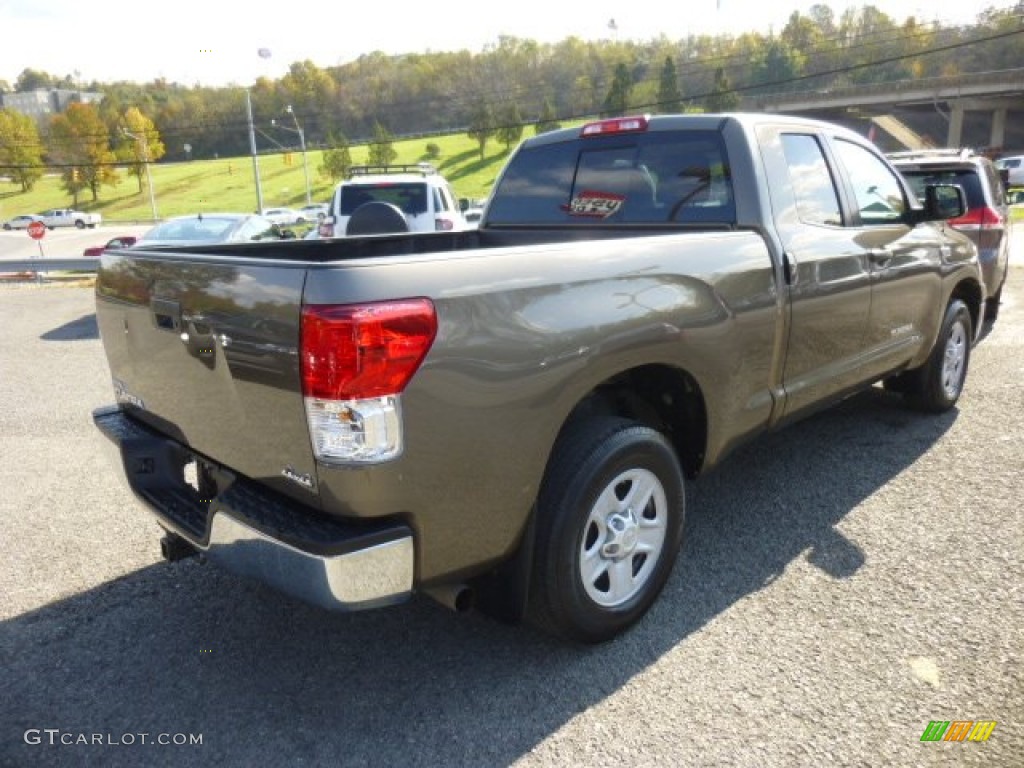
(464, 203)
(1004, 174)
(944, 201)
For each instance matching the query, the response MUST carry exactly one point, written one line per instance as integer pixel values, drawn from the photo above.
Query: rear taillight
(615, 125)
(355, 362)
(977, 219)
(443, 225)
(326, 227)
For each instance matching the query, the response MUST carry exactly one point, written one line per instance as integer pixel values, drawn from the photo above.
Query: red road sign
(36, 230)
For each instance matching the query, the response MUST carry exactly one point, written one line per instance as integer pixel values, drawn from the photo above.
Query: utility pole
(302, 144)
(252, 150)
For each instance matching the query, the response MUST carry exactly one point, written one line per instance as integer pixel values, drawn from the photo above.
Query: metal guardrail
(79, 264)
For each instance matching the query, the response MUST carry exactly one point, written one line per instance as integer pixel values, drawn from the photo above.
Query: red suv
(987, 221)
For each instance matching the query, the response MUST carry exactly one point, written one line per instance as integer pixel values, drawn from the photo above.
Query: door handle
(880, 257)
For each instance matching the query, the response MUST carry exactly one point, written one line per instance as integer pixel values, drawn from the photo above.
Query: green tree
(21, 153)
(140, 143)
(617, 101)
(481, 125)
(337, 160)
(510, 126)
(33, 80)
(722, 98)
(80, 142)
(546, 122)
(433, 151)
(382, 148)
(669, 97)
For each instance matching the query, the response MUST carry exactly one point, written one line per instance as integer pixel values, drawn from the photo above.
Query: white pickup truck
(67, 217)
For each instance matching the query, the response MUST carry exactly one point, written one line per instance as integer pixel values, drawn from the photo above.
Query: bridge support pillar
(998, 138)
(956, 126)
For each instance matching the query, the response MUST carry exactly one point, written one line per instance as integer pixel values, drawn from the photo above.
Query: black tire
(936, 386)
(376, 218)
(590, 581)
(80, 224)
(7, 227)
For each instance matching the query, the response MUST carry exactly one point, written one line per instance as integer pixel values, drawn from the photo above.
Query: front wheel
(80, 224)
(936, 386)
(609, 526)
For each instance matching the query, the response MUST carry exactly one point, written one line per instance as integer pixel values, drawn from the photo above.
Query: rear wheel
(80, 224)
(936, 386)
(609, 526)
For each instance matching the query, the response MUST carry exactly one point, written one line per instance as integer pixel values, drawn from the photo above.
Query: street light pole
(252, 150)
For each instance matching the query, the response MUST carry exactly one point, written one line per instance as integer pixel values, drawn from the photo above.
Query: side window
(878, 192)
(259, 229)
(813, 185)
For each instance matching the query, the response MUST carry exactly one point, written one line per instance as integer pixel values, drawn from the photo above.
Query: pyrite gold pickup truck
(505, 416)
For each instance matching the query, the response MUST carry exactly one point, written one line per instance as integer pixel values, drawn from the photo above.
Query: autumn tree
(21, 153)
(510, 126)
(481, 125)
(140, 143)
(80, 143)
(382, 148)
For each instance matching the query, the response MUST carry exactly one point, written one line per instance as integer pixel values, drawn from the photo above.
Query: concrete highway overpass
(981, 110)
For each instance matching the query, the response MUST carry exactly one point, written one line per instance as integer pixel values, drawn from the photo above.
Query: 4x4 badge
(305, 480)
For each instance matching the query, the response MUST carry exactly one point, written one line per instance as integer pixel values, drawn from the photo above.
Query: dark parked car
(212, 228)
(987, 221)
(118, 242)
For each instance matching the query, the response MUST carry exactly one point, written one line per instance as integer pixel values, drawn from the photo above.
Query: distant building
(41, 104)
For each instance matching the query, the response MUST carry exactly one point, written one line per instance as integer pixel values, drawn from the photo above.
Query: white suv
(379, 199)
(1014, 167)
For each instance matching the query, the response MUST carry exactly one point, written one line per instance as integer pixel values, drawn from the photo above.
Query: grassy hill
(227, 184)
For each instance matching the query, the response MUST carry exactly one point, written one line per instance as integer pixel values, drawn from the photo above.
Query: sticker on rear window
(594, 204)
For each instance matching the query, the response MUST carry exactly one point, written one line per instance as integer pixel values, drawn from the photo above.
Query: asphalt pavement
(844, 582)
(64, 242)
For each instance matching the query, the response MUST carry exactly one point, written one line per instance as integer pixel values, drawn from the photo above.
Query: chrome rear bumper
(252, 531)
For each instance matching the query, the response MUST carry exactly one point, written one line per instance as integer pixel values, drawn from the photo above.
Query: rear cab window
(678, 177)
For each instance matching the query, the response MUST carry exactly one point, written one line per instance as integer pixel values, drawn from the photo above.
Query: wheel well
(969, 292)
(664, 398)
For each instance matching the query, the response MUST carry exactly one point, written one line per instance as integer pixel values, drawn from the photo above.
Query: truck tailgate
(206, 351)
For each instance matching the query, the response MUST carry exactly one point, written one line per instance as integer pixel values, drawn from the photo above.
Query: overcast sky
(216, 43)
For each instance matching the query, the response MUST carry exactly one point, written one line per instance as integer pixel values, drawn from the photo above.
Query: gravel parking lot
(843, 583)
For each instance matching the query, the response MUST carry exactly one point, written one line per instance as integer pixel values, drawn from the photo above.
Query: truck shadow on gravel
(186, 648)
(81, 329)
